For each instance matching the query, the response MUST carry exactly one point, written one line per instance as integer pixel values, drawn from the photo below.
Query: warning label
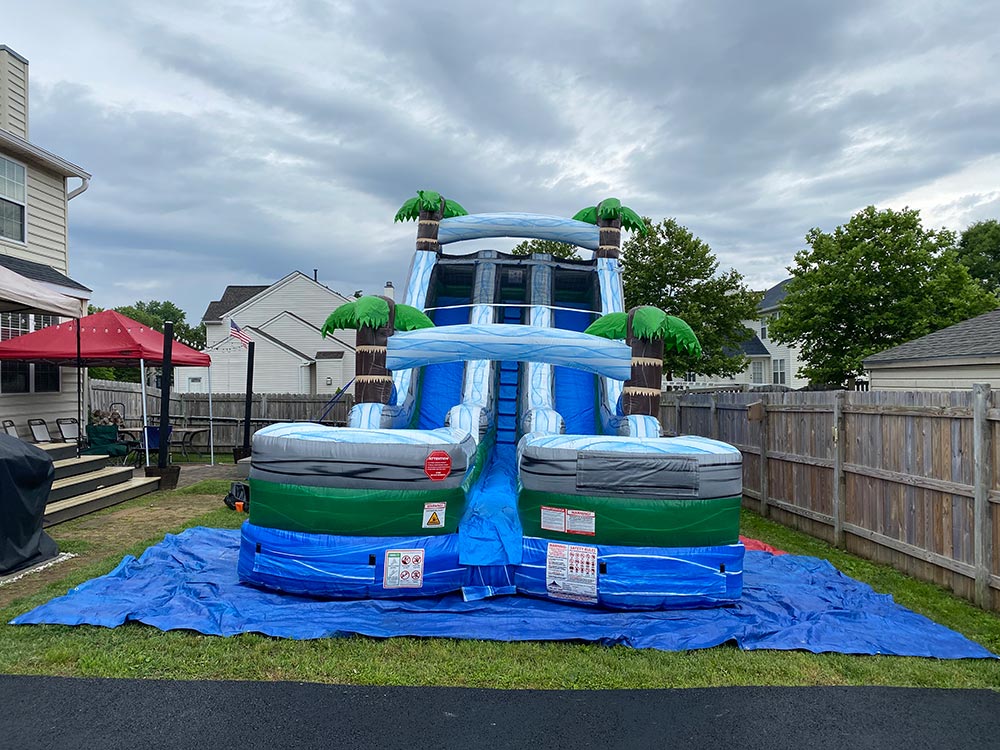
(404, 569)
(568, 521)
(434, 515)
(571, 572)
(437, 466)
(553, 519)
(580, 522)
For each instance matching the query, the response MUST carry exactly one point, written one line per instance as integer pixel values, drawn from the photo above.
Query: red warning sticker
(437, 466)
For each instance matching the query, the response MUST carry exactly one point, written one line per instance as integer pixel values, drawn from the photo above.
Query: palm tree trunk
(641, 394)
(611, 238)
(427, 229)
(372, 380)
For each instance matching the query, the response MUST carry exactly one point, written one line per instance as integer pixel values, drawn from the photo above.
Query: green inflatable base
(359, 512)
(331, 510)
(631, 522)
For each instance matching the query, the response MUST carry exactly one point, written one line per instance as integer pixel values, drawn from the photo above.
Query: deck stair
(88, 484)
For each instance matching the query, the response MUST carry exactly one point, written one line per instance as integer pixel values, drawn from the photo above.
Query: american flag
(235, 330)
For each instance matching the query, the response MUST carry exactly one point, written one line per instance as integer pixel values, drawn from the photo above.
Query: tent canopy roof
(106, 338)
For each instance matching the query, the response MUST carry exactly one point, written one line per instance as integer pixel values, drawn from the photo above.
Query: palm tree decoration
(610, 216)
(375, 319)
(647, 330)
(429, 208)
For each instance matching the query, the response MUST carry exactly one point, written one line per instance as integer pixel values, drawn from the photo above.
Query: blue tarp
(189, 582)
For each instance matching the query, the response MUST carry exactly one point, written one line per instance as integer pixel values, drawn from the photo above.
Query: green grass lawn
(141, 651)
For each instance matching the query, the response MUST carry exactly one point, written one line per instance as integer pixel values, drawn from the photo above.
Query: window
(778, 371)
(763, 329)
(757, 372)
(21, 377)
(13, 197)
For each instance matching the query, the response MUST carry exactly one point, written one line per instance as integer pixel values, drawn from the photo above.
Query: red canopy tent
(105, 339)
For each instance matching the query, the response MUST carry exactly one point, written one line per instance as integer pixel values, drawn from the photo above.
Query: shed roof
(975, 337)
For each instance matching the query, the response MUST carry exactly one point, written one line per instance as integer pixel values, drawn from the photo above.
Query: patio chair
(39, 431)
(104, 440)
(10, 428)
(149, 436)
(69, 429)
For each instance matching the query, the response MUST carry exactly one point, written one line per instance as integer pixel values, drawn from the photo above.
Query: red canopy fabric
(106, 339)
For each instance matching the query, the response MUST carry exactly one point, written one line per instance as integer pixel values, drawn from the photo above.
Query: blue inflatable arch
(505, 342)
(531, 226)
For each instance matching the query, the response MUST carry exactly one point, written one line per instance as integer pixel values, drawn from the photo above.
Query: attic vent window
(13, 194)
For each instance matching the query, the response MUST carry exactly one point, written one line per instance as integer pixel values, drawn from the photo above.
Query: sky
(235, 142)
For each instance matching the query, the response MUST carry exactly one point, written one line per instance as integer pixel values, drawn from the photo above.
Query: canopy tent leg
(211, 424)
(145, 435)
(79, 392)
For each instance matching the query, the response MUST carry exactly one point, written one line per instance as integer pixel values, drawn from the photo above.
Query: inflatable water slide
(504, 439)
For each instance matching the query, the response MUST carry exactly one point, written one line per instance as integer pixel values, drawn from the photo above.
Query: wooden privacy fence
(911, 479)
(191, 409)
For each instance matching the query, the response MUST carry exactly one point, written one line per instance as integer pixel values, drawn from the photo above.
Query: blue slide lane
(575, 389)
(489, 535)
(441, 385)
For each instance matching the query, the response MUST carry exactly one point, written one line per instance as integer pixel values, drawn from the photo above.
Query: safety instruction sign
(434, 515)
(568, 521)
(404, 569)
(571, 572)
(437, 466)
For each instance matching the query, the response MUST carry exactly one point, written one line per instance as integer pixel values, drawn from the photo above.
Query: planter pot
(168, 476)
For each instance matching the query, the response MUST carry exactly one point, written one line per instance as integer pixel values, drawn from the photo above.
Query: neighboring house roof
(234, 296)
(754, 347)
(40, 272)
(303, 321)
(975, 337)
(773, 296)
(278, 342)
(17, 146)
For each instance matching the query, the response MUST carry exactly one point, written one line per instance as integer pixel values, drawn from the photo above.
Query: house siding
(939, 377)
(13, 95)
(46, 209)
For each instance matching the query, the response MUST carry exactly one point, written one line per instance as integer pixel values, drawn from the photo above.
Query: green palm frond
(588, 215)
(679, 337)
(429, 200)
(343, 317)
(609, 209)
(610, 326)
(453, 208)
(633, 222)
(372, 311)
(647, 322)
(411, 319)
(409, 211)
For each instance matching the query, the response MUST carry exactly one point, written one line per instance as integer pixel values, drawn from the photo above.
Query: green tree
(670, 268)
(979, 251)
(552, 247)
(878, 281)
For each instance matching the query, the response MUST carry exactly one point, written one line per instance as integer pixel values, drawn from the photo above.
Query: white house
(770, 363)
(951, 359)
(34, 242)
(284, 321)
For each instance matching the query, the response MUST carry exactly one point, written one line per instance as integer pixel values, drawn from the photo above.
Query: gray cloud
(232, 143)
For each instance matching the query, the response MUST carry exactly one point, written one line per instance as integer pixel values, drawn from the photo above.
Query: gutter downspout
(82, 189)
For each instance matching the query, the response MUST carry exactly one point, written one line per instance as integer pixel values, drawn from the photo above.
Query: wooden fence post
(839, 478)
(714, 418)
(764, 511)
(677, 412)
(982, 479)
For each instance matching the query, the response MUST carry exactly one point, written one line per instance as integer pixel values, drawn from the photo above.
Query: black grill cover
(26, 474)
